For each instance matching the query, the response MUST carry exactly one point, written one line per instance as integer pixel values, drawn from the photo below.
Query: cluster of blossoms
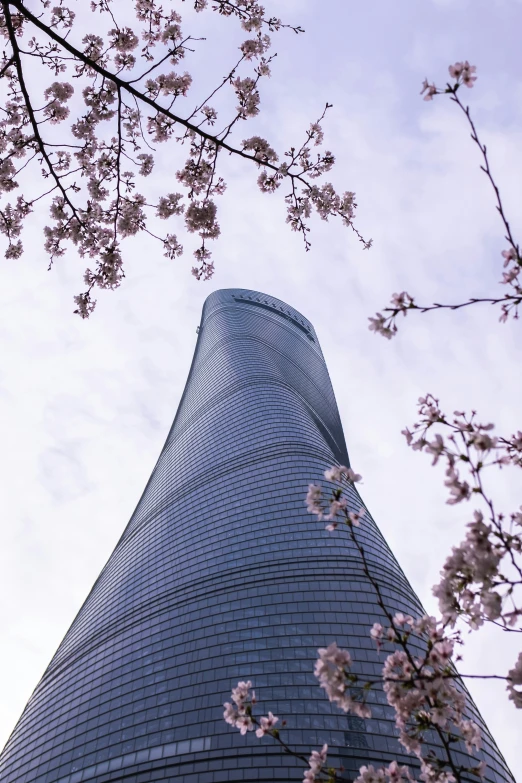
(461, 73)
(130, 85)
(418, 677)
(421, 689)
(238, 713)
(316, 763)
(332, 670)
(515, 679)
(391, 774)
(330, 509)
(385, 325)
(483, 575)
(510, 277)
(481, 580)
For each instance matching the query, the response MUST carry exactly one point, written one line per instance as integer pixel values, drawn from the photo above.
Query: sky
(85, 406)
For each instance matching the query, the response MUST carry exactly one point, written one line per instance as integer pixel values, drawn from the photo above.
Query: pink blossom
(401, 301)
(238, 713)
(355, 518)
(313, 500)
(509, 255)
(376, 634)
(459, 490)
(330, 670)
(463, 71)
(379, 326)
(170, 205)
(436, 447)
(146, 164)
(244, 723)
(123, 39)
(201, 217)
(474, 561)
(316, 133)
(255, 47)
(431, 774)
(514, 679)
(261, 149)
(266, 724)
(471, 735)
(429, 89)
(402, 620)
(338, 472)
(370, 775)
(316, 762)
(248, 95)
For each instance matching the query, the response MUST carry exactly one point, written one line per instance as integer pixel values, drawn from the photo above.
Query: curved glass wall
(222, 575)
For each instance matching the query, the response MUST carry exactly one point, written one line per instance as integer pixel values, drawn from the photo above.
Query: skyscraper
(222, 575)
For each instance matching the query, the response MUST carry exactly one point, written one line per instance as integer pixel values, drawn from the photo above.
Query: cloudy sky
(85, 406)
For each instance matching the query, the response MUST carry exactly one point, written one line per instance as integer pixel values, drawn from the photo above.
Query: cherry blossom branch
(474, 584)
(385, 323)
(30, 113)
(7, 65)
(96, 226)
(419, 687)
(415, 686)
(239, 714)
(226, 8)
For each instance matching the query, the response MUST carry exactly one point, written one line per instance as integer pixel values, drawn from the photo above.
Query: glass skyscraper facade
(221, 575)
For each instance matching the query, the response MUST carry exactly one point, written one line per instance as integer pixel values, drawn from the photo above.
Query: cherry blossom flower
(120, 117)
(429, 89)
(330, 670)
(463, 72)
(379, 324)
(338, 472)
(261, 148)
(509, 255)
(514, 679)
(266, 725)
(238, 712)
(436, 447)
(313, 500)
(471, 735)
(248, 95)
(475, 561)
(377, 634)
(371, 775)
(316, 762)
(170, 205)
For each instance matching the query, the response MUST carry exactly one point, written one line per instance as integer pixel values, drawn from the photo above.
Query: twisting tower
(221, 575)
